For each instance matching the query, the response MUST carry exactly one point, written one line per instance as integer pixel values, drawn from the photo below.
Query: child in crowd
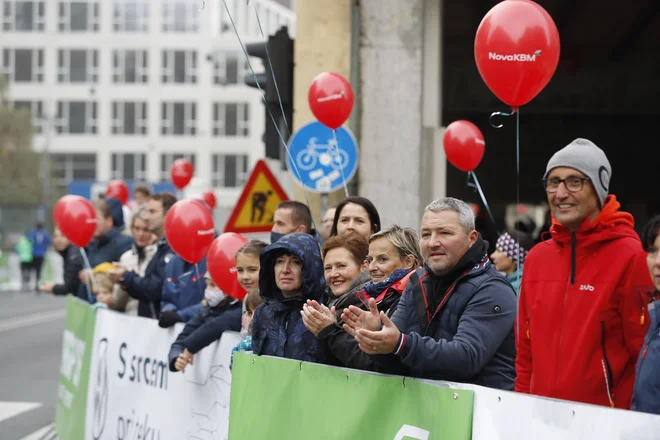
(247, 272)
(220, 313)
(103, 289)
(103, 286)
(251, 303)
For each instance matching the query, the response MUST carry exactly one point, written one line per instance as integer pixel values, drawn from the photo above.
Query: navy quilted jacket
(277, 327)
(646, 394)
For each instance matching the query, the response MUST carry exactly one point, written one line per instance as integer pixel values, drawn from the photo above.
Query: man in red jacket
(581, 319)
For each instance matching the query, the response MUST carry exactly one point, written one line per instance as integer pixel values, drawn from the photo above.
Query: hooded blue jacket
(183, 288)
(277, 327)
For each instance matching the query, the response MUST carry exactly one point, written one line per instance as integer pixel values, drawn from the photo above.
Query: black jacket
(73, 264)
(207, 327)
(342, 349)
(149, 288)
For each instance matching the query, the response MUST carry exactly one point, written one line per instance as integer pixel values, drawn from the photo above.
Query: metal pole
(45, 171)
(355, 80)
(324, 203)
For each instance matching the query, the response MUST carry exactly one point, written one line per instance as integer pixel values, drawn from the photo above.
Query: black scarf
(474, 256)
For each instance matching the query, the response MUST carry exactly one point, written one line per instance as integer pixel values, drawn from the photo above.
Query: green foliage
(20, 167)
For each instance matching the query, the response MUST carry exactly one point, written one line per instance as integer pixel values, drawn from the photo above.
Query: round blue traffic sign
(321, 162)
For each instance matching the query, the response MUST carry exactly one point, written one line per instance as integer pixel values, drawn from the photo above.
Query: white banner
(504, 415)
(133, 395)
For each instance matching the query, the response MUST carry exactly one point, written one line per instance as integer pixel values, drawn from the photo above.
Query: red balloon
(117, 189)
(209, 199)
(517, 50)
(221, 263)
(59, 207)
(464, 145)
(77, 220)
(189, 230)
(181, 173)
(331, 99)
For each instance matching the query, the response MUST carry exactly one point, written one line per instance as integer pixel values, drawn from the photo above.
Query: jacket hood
(306, 248)
(611, 224)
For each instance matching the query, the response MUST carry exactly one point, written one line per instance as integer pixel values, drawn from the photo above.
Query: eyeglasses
(572, 183)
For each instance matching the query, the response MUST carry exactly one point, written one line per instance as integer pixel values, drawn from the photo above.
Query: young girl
(103, 289)
(247, 271)
(251, 303)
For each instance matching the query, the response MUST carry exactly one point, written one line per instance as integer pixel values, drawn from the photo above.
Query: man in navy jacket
(455, 318)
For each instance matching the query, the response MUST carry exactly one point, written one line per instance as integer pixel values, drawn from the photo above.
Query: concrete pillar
(323, 43)
(401, 160)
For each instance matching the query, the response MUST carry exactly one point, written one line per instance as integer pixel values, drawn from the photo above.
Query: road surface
(31, 327)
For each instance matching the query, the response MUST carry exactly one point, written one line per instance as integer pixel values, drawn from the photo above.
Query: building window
(129, 118)
(78, 16)
(231, 119)
(77, 65)
(130, 66)
(68, 167)
(229, 170)
(76, 117)
(178, 118)
(130, 16)
(181, 15)
(23, 15)
(179, 66)
(36, 109)
(23, 65)
(230, 68)
(166, 161)
(129, 166)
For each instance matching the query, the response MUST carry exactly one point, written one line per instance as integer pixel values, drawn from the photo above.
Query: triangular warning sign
(255, 208)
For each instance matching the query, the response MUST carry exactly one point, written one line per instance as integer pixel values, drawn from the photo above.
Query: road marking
(45, 433)
(32, 319)
(11, 409)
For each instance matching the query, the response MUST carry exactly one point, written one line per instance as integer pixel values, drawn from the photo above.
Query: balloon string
(337, 156)
(270, 113)
(518, 267)
(482, 195)
(89, 275)
(197, 272)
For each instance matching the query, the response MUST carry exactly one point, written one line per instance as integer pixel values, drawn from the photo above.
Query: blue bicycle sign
(326, 154)
(319, 161)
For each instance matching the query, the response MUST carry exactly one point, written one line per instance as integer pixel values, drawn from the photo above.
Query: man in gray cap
(581, 320)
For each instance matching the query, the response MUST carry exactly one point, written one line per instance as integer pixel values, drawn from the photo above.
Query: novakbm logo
(524, 57)
(100, 394)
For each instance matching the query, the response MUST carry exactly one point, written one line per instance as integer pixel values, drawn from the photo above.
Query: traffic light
(279, 48)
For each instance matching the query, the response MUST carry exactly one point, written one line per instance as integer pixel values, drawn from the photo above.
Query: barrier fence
(115, 384)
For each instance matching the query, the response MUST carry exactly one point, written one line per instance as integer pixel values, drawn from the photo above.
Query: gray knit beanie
(584, 156)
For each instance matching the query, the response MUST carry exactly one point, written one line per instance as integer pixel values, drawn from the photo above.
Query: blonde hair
(405, 240)
(139, 214)
(102, 282)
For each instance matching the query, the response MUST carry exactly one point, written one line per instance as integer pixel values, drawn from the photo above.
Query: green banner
(283, 399)
(74, 370)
